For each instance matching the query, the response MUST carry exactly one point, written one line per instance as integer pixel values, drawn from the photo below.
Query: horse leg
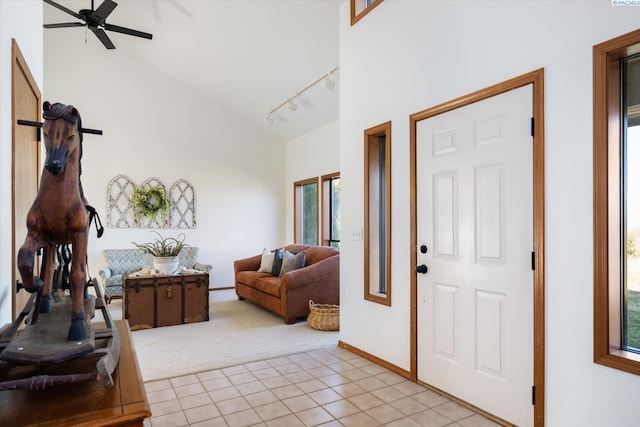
(49, 265)
(26, 256)
(77, 280)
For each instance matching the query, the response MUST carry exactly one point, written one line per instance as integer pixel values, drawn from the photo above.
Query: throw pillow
(292, 262)
(266, 264)
(277, 262)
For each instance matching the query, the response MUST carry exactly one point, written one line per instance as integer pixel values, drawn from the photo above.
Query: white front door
(474, 198)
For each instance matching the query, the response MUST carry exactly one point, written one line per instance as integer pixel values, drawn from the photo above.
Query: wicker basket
(324, 317)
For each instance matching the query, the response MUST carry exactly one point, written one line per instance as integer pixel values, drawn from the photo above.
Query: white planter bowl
(167, 264)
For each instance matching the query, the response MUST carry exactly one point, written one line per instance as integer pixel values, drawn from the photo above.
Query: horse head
(62, 135)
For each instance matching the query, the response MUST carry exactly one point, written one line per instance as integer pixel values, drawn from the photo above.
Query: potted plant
(165, 251)
(150, 202)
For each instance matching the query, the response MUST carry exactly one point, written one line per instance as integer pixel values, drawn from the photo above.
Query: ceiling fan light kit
(327, 83)
(95, 20)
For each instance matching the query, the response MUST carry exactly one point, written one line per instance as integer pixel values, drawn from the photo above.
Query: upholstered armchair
(119, 262)
(189, 259)
(125, 261)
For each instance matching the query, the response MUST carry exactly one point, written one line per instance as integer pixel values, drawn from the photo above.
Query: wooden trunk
(153, 301)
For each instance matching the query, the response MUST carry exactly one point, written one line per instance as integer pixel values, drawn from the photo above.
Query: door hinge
(533, 260)
(533, 395)
(533, 127)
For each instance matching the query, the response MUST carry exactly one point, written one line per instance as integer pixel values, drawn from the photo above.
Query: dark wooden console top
(84, 404)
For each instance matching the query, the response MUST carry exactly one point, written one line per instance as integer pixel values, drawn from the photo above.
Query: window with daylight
(377, 220)
(359, 8)
(616, 156)
(331, 210)
(306, 230)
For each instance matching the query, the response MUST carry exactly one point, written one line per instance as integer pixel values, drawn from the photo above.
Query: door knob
(422, 269)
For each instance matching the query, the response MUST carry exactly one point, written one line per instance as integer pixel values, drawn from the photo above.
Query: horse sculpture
(59, 215)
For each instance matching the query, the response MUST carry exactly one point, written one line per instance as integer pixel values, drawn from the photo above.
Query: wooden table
(84, 404)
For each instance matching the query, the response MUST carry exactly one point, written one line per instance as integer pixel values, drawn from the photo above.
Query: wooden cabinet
(154, 301)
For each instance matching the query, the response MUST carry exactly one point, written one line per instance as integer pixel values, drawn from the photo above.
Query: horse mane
(68, 113)
(71, 115)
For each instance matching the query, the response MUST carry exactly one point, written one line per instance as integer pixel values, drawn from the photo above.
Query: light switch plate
(356, 234)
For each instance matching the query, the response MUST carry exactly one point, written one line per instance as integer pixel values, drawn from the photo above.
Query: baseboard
(221, 289)
(393, 368)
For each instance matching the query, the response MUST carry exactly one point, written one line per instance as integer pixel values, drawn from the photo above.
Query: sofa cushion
(249, 277)
(124, 260)
(292, 262)
(269, 285)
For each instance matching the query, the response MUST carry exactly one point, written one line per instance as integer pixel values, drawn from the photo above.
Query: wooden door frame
(19, 63)
(536, 79)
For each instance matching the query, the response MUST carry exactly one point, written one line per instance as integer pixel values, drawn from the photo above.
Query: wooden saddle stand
(40, 356)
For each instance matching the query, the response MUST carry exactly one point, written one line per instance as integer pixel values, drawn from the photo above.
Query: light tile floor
(331, 387)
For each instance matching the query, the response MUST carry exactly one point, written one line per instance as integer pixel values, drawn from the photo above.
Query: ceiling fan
(94, 19)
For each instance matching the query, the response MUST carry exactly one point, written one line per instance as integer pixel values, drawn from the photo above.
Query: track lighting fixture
(290, 102)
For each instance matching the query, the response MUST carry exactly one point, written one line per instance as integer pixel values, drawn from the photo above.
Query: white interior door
(475, 215)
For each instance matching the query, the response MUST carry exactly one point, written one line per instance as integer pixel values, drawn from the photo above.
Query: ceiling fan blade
(127, 31)
(104, 10)
(65, 25)
(103, 37)
(64, 9)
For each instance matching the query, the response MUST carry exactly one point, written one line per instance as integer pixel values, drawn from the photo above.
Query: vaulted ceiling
(248, 56)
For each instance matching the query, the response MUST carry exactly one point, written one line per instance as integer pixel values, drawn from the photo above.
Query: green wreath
(150, 202)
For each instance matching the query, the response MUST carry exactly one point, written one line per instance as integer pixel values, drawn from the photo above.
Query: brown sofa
(289, 295)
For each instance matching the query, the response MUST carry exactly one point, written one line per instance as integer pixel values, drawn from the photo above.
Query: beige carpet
(237, 332)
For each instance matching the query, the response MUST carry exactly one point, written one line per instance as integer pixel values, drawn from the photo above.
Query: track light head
(328, 83)
(268, 120)
(292, 105)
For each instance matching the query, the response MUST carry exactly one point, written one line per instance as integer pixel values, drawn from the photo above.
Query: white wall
(312, 155)
(433, 51)
(155, 126)
(22, 21)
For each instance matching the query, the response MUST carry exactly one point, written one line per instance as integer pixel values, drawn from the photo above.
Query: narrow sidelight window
(331, 210)
(359, 8)
(616, 194)
(630, 194)
(377, 228)
(306, 211)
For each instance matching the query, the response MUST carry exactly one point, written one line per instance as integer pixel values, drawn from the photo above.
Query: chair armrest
(247, 264)
(105, 273)
(202, 267)
(319, 282)
(311, 274)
